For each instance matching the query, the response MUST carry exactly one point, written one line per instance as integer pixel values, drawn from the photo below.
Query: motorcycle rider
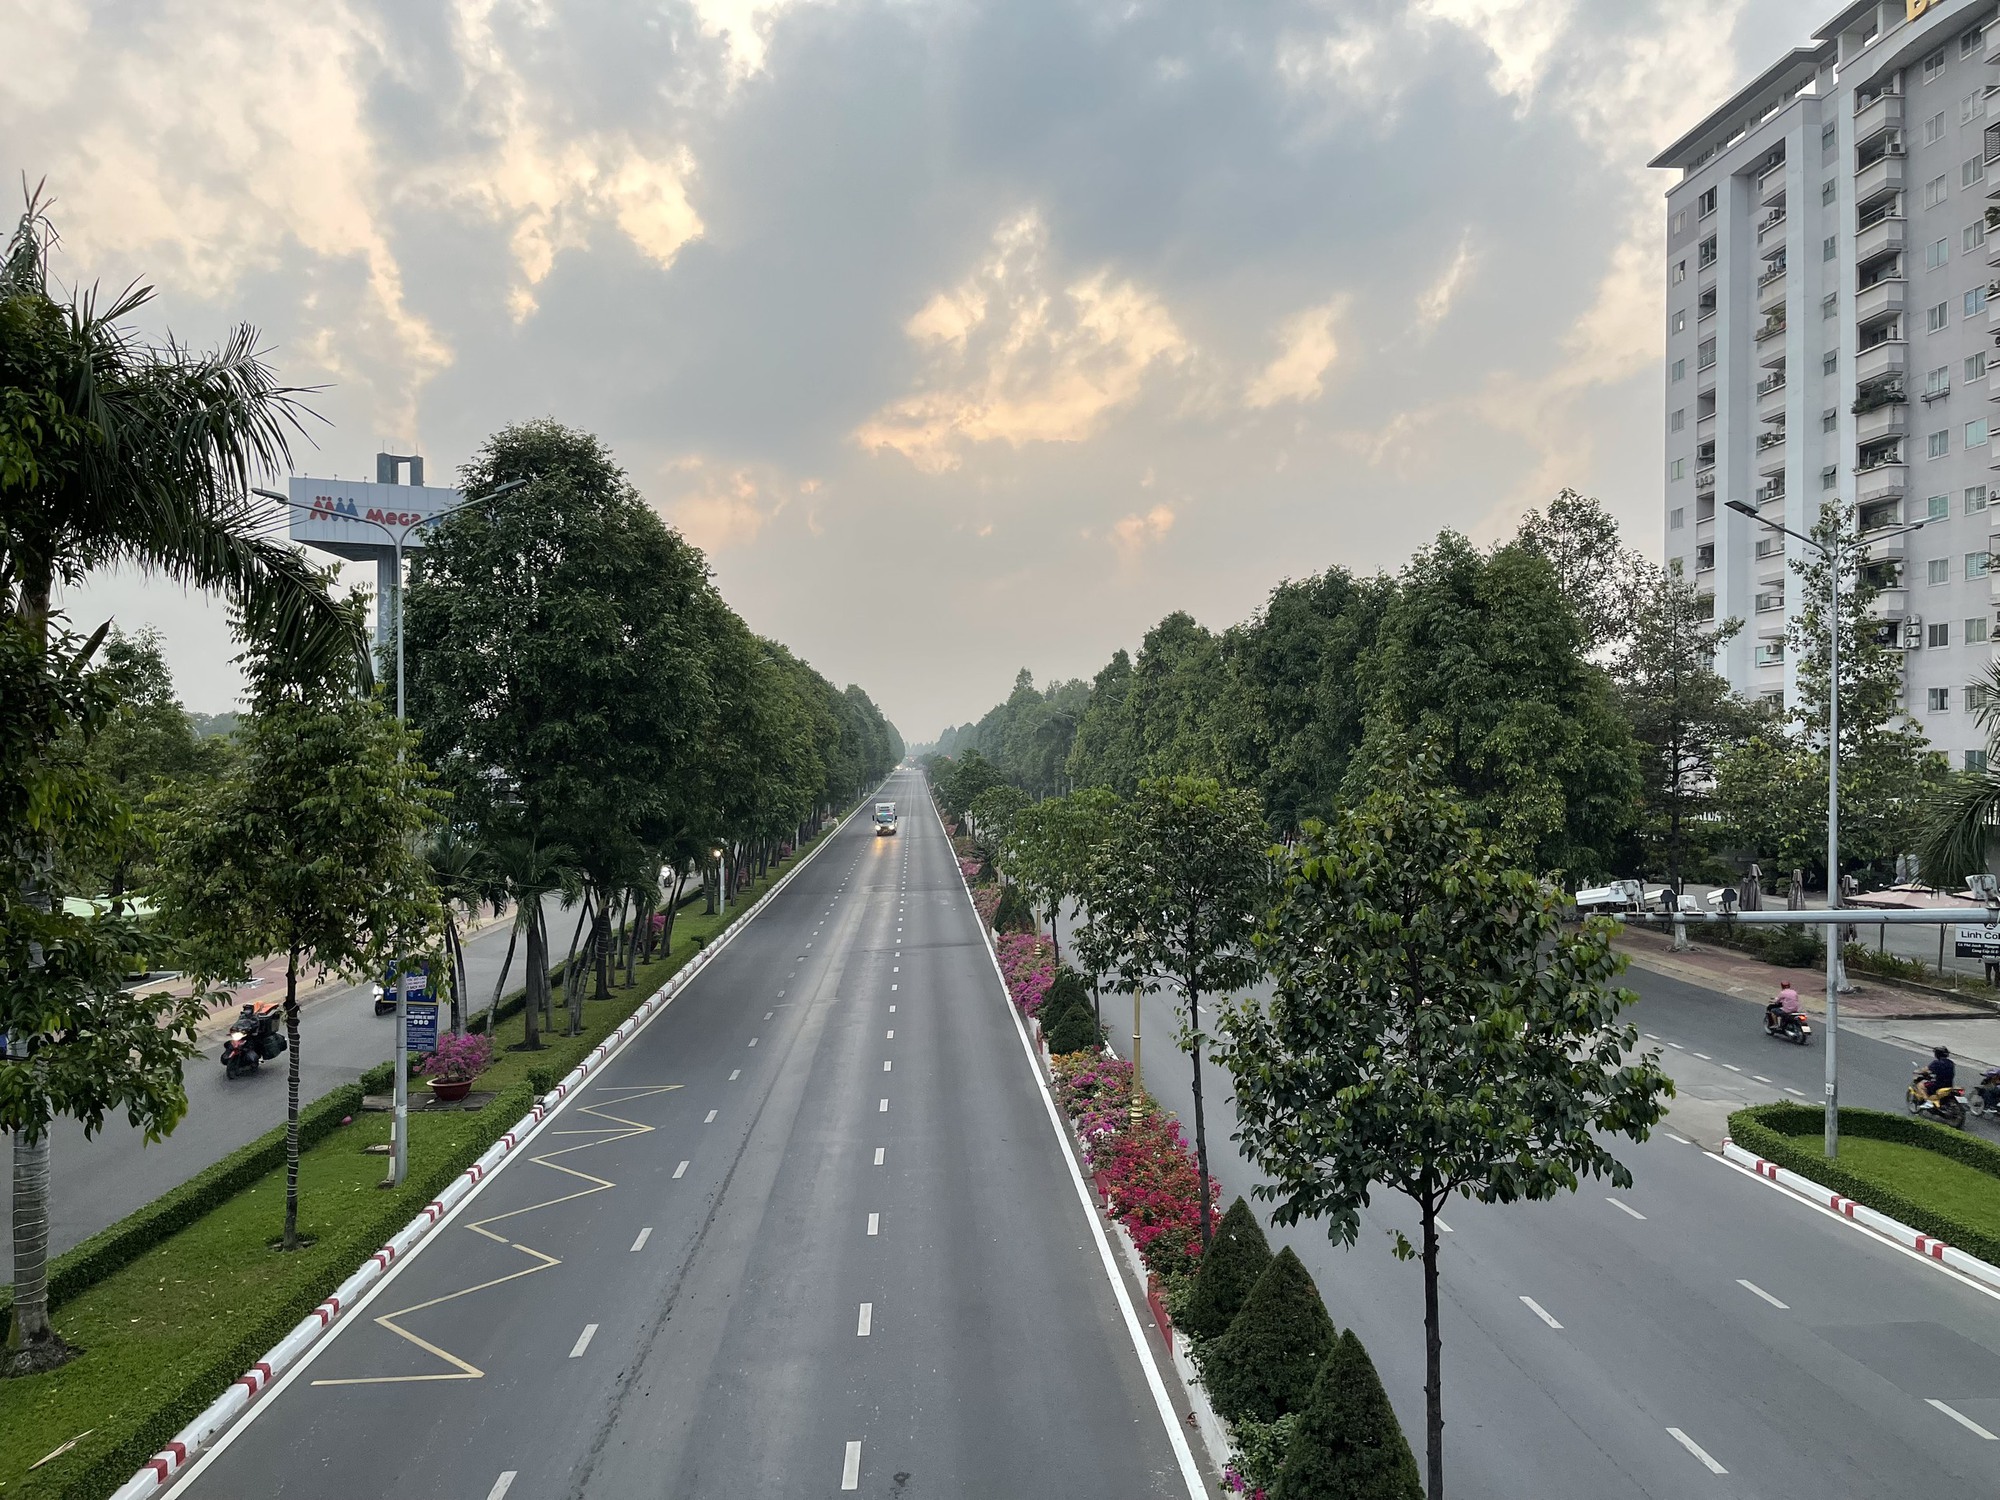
(1786, 1004)
(1941, 1074)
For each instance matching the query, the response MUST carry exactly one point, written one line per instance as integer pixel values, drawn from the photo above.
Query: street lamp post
(399, 1130)
(1834, 554)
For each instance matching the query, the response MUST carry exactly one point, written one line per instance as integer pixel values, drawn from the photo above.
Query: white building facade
(1831, 314)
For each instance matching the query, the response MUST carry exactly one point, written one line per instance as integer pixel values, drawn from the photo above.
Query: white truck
(885, 818)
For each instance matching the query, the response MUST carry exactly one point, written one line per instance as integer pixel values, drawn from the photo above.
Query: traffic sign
(420, 1025)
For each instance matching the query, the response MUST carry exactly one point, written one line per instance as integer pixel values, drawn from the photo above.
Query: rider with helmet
(1941, 1074)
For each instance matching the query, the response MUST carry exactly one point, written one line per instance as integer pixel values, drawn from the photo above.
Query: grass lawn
(1946, 1186)
(177, 1310)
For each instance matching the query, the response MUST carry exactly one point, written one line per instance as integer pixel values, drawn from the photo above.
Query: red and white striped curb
(1861, 1213)
(196, 1438)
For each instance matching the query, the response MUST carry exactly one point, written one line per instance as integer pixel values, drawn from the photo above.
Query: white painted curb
(1890, 1229)
(201, 1433)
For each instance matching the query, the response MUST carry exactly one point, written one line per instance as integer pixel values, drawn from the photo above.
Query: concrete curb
(1890, 1229)
(200, 1434)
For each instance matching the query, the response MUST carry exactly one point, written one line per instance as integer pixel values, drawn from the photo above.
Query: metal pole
(399, 1160)
(1832, 556)
(1138, 1082)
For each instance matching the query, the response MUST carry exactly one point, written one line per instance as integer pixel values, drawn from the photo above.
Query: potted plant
(459, 1058)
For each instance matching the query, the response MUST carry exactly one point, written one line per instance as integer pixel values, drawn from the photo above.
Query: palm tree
(1961, 817)
(532, 871)
(462, 870)
(116, 451)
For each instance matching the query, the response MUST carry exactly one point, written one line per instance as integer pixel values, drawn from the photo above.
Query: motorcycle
(254, 1037)
(1790, 1025)
(1985, 1096)
(1946, 1105)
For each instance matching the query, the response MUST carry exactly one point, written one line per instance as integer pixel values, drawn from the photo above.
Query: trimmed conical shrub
(1222, 1280)
(1075, 1030)
(1263, 1365)
(1013, 914)
(1347, 1444)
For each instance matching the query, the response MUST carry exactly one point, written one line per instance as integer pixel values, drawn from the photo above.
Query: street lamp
(399, 535)
(1833, 554)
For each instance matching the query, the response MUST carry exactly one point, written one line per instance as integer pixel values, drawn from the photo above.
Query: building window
(1680, 272)
(1934, 192)
(1975, 631)
(1975, 434)
(1678, 469)
(1933, 65)
(1972, 106)
(1938, 317)
(1937, 508)
(1828, 191)
(1829, 139)
(1940, 443)
(1973, 236)
(1829, 247)
(1971, 170)
(1939, 570)
(1678, 420)
(1934, 129)
(1680, 369)
(1704, 355)
(1975, 301)
(1771, 655)
(1704, 607)
(1829, 305)
(1938, 381)
(1976, 564)
(1829, 477)
(1674, 566)
(1975, 760)
(1677, 518)
(1704, 558)
(1680, 321)
(1975, 499)
(1975, 697)
(1680, 222)
(1936, 253)
(1705, 204)
(1969, 43)
(1940, 635)
(1829, 420)
(1829, 362)
(1940, 700)
(1771, 603)
(1975, 367)
(1705, 253)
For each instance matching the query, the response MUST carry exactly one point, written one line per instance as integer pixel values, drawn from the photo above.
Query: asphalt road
(97, 1181)
(810, 1231)
(1667, 1299)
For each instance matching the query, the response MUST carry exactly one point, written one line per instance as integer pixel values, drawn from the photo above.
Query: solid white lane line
(892, 1034)
(883, 1108)
(1625, 1208)
(501, 1485)
(1541, 1312)
(867, 1320)
(644, 1235)
(583, 1340)
(1757, 1291)
(874, 1223)
(734, 1074)
(885, 1065)
(1696, 1449)
(679, 1170)
(711, 1117)
(1963, 1420)
(850, 1468)
(878, 1154)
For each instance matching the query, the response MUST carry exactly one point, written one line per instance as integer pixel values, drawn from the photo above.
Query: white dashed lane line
(501, 1485)
(1757, 1291)
(867, 1320)
(646, 1233)
(583, 1341)
(1540, 1311)
(850, 1468)
(1963, 1420)
(1625, 1208)
(679, 1171)
(1696, 1449)
(711, 1117)
(874, 1223)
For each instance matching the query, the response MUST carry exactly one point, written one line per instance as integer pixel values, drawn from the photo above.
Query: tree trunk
(292, 1101)
(506, 964)
(572, 1000)
(455, 956)
(1433, 1360)
(537, 977)
(1200, 1133)
(31, 1241)
(600, 947)
(673, 910)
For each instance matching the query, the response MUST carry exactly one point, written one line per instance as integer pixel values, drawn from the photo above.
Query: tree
(1263, 1365)
(465, 879)
(309, 847)
(1595, 573)
(1434, 1030)
(964, 781)
(1085, 858)
(1226, 1272)
(1188, 877)
(1347, 1443)
(993, 812)
(1961, 812)
(1683, 712)
(73, 1042)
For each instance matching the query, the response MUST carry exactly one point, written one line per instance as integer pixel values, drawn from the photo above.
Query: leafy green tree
(1347, 1443)
(1436, 1030)
(1187, 878)
(1961, 812)
(965, 780)
(993, 813)
(465, 879)
(1596, 574)
(1262, 1367)
(1479, 667)
(1086, 860)
(1226, 1272)
(310, 847)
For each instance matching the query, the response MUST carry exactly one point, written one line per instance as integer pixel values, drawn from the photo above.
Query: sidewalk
(1729, 972)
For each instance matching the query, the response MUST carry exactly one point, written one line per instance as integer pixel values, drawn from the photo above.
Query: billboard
(355, 519)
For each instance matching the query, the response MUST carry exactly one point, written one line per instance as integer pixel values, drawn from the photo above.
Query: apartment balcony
(1771, 227)
(1879, 234)
(1882, 422)
(1894, 549)
(1771, 184)
(1771, 396)
(1884, 298)
(1704, 427)
(1993, 143)
(1883, 175)
(1771, 292)
(1884, 112)
(1884, 357)
(1771, 452)
(1704, 479)
(1772, 493)
(1770, 328)
(1891, 603)
(1878, 486)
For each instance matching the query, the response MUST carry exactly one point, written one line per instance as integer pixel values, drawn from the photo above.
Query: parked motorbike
(255, 1036)
(1945, 1105)
(1985, 1096)
(1789, 1025)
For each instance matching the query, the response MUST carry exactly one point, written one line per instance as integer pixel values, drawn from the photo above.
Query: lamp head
(1741, 508)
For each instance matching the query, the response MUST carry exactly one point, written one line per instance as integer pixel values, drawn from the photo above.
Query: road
(97, 1181)
(1667, 1297)
(810, 1231)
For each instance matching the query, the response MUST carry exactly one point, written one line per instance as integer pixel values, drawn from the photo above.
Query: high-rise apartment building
(1830, 312)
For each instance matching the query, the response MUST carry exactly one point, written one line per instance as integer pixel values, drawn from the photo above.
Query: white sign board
(355, 519)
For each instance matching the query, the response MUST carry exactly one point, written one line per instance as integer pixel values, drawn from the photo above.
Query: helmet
(1940, 1052)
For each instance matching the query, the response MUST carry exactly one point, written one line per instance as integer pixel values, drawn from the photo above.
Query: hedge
(1790, 1135)
(1265, 1364)
(1237, 1256)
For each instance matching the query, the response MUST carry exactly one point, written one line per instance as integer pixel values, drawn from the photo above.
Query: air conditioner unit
(1913, 633)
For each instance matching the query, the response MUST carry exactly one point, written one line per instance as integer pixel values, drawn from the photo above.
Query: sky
(962, 335)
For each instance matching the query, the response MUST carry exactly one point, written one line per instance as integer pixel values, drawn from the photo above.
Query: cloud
(720, 506)
(1130, 534)
(1307, 350)
(1434, 302)
(1012, 359)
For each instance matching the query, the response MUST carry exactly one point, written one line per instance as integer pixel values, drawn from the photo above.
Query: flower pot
(450, 1090)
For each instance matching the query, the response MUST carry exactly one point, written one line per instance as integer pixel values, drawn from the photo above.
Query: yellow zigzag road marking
(620, 1129)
